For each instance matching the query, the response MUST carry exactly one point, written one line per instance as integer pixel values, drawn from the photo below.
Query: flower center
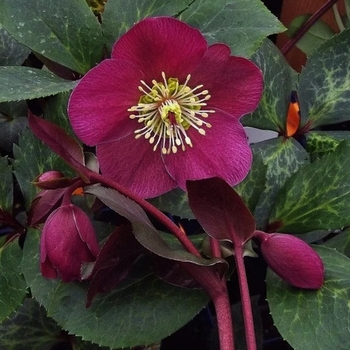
(168, 110)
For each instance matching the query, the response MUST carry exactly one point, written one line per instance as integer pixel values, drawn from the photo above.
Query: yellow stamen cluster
(167, 110)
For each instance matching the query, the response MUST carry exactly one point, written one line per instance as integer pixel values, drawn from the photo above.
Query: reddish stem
(245, 299)
(309, 23)
(224, 319)
(210, 280)
(67, 197)
(220, 298)
(157, 214)
(215, 247)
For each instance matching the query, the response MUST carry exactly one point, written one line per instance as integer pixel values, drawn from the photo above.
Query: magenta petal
(98, 106)
(162, 44)
(47, 270)
(234, 83)
(85, 230)
(46, 267)
(223, 152)
(135, 165)
(62, 247)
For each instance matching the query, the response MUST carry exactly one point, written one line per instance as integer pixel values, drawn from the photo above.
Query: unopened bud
(292, 259)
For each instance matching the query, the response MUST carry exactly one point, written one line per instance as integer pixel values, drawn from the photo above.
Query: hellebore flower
(292, 259)
(68, 239)
(166, 107)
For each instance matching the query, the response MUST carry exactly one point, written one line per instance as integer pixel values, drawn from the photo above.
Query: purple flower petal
(223, 152)
(234, 83)
(68, 239)
(162, 44)
(98, 106)
(47, 269)
(46, 266)
(135, 165)
(164, 74)
(85, 230)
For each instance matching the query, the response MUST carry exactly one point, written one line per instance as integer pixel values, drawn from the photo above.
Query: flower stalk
(149, 208)
(224, 319)
(208, 281)
(215, 247)
(245, 299)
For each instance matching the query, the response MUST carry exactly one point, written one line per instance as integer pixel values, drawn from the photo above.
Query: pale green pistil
(168, 110)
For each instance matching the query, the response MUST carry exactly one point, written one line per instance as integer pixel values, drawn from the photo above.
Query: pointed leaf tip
(59, 141)
(220, 210)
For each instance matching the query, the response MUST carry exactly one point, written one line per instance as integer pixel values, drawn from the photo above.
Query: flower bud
(51, 180)
(68, 240)
(292, 259)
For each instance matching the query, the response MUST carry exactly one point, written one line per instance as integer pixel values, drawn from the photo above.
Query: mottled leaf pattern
(317, 196)
(174, 202)
(30, 328)
(319, 318)
(283, 157)
(324, 85)
(271, 113)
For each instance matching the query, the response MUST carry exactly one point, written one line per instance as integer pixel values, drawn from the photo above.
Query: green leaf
(12, 285)
(279, 82)
(347, 7)
(251, 188)
(126, 13)
(32, 158)
(30, 328)
(174, 202)
(55, 111)
(340, 242)
(6, 185)
(241, 24)
(11, 52)
(320, 143)
(63, 145)
(318, 319)
(283, 157)
(314, 37)
(13, 120)
(142, 310)
(23, 83)
(63, 31)
(317, 196)
(324, 85)
(145, 232)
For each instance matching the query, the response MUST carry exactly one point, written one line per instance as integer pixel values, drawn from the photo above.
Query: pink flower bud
(50, 175)
(51, 180)
(68, 239)
(292, 259)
